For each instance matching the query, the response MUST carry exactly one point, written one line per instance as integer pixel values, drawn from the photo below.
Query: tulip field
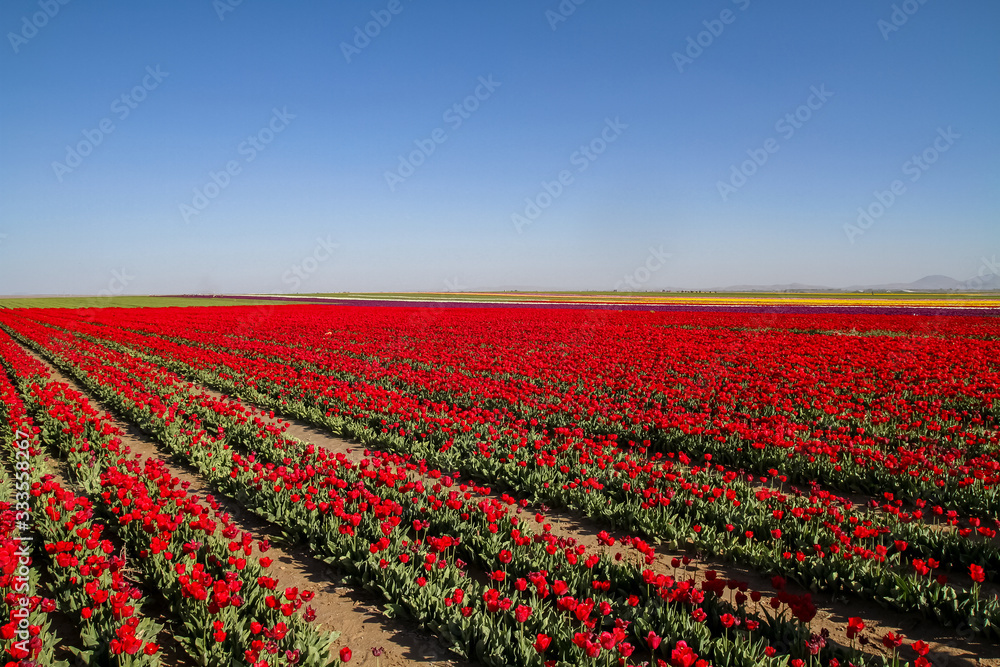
(528, 486)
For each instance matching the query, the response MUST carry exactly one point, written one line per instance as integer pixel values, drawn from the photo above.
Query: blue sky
(200, 146)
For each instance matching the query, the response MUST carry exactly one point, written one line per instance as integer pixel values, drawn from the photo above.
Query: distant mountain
(935, 282)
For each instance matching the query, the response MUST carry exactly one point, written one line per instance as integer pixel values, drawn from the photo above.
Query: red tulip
(522, 613)
(683, 655)
(854, 626)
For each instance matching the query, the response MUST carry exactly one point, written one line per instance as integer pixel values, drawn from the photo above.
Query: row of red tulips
(92, 583)
(26, 632)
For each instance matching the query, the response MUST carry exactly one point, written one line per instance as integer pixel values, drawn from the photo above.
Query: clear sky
(264, 146)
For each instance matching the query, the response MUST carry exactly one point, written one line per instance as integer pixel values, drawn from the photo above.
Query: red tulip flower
(683, 655)
(522, 613)
(854, 626)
